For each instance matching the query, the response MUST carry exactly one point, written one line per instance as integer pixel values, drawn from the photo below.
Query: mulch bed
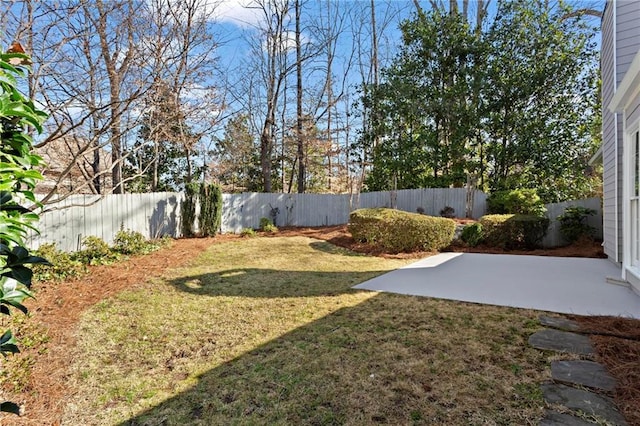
(617, 343)
(339, 236)
(58, 308)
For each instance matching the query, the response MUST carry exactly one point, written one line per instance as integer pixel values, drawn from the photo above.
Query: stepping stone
(584, 373)
(559, 323)
(562, 341)
(558, 419)
(582, 400)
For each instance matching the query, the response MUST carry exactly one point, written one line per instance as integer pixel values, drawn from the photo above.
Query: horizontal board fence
(155, 215)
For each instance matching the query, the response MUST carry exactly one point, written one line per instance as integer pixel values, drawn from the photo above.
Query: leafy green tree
(539, 99)
(144, 160)
(426, 112)
(510, 105)
(18, 177)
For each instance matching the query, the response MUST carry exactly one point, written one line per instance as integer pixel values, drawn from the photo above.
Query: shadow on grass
(388, 360)
(328, 247)
(249, 282)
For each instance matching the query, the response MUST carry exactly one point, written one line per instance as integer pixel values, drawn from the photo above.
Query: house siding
(620, 43)
(609, 146)
(634, 112)
(627, 45)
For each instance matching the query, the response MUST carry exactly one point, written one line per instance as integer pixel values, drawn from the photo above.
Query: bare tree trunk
(299, 118)
(374, 65)
(275, 72)
(115, 71)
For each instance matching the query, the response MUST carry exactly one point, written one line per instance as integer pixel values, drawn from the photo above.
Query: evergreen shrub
(397, 231)
(516, 201)
(472, 234)
(573, 224)
(514, 231)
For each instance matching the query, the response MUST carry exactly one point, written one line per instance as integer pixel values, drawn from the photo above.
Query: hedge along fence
(157, 214)
(514, 231)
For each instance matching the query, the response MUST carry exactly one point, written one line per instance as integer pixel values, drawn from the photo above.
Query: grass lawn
(268, 331)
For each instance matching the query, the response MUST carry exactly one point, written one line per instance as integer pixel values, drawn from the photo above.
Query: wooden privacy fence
(67, 222)
(553, 237)
(245, 210)
(154, 215)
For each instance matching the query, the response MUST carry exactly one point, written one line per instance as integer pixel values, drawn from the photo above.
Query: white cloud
(240, 12)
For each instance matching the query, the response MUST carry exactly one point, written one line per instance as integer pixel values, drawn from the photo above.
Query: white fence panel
(431, 200)
(67, 222)
(245, 210)
(154, 215)
(553, 237)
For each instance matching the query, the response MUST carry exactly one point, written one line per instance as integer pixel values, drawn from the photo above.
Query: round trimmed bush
(512, 231)
(397, 231)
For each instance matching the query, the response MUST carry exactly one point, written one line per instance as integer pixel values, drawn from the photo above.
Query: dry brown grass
(268, 331)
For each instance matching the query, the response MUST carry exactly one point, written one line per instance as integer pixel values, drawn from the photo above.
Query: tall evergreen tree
(508, 105)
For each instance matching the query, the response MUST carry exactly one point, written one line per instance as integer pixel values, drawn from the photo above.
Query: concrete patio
(556, 284)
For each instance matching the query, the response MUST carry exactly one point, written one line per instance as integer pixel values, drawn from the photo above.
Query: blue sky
(236, 22)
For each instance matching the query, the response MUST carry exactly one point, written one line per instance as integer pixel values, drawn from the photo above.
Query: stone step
(583, 373)
(562, 341)
(581, 400)
(559, 323)
(553, 418)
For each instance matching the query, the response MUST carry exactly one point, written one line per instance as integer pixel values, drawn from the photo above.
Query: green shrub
(63, 265)
(132, 242)
(19, 119)
(472, 234)
(267, 225)
(573, 224)
(210, 209)
(513, 231)
(188, 209)
(248, 232)
(396, 231)
(516, 201)
(95, 252)
(448, 211)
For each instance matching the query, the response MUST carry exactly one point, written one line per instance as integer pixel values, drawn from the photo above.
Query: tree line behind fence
(158, 214)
